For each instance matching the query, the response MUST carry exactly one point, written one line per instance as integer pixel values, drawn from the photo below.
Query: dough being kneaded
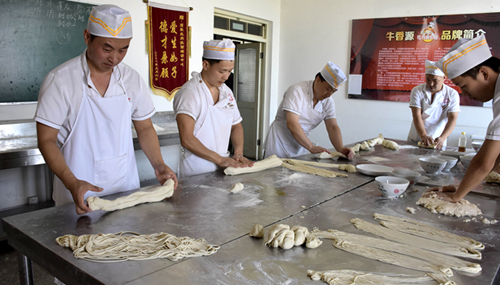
(420, 144)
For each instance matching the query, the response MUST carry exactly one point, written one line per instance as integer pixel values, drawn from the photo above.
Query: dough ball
(257, 231)
(237, 187)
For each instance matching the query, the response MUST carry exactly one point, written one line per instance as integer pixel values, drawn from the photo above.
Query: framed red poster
(388, 55)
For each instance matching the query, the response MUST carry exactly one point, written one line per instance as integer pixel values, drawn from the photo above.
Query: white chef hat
(110, 21)
(333, 75)
(464, 55)
(218, 49)
(431, 68)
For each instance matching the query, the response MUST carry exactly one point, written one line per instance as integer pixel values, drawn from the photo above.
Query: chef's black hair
(211, 61)
(492, 62)
(320, 77)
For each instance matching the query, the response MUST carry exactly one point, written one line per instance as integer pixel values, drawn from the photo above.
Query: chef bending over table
(471, 66)
(304, 106)
(85, 107)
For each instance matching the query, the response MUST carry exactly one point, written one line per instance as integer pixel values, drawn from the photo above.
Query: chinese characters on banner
(168, 50)
(389, 54)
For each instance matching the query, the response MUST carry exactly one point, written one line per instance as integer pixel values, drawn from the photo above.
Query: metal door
(247, 91)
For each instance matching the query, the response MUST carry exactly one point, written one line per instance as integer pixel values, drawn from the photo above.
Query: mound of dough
(155, 195)
(270, 162)
(347, 167)
(420, 144)
(390, 144)
(133, 246)
(257, 231)
(237, 187)
(493, 177)
(436, 204)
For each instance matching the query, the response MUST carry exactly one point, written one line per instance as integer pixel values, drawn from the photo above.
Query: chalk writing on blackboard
(37, 36)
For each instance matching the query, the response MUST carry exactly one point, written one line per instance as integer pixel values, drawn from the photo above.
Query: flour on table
(154, 195)
(237, 187)
(125, 246)
(436, 204)
(489, 222)
(270, 162)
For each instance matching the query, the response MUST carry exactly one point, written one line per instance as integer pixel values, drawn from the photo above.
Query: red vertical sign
(168, 50)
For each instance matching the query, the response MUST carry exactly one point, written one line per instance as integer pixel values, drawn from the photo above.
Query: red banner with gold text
(168, 50)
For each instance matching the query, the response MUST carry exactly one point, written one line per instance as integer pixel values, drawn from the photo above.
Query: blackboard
(35, 37)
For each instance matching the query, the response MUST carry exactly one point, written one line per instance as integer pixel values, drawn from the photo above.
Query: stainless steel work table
(202, 207)
(248, 261)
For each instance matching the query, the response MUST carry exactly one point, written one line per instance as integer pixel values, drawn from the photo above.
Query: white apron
(100, 149)
(434, 123)
(214, 134)
(280, 140)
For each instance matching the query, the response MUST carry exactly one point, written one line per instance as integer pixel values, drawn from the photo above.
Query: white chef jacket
(61, 94)
(105, 159)
(212, 122)
(493, 131)
(298, 99)
(435, 114)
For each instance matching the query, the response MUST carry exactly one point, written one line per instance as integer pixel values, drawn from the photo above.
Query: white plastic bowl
(450, 162)
(465, 159)
(407, 174)
(476, 145)
(391, 186)
(432, 164)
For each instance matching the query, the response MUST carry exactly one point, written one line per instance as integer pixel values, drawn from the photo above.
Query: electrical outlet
(33, 200)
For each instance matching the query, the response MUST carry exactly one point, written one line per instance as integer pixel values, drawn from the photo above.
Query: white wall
(201, 21)
(316, 31)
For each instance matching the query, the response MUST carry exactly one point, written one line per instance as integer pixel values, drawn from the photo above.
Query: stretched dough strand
(352, 277)
(294, 165)
(154, 195)
(270, 162)
(124, 246)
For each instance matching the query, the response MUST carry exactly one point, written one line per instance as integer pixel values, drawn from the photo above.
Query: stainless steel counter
(202, 207)
(18, 142)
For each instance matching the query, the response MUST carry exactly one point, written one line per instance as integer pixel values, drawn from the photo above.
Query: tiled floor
(9, 273)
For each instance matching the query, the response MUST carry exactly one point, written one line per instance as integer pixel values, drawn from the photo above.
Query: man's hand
(78, 190)
(228, 162)
(426, 140)
(347, 152)
(163, 173)
(245, 162)
(439, 142)
(445, 192)
(318, 149)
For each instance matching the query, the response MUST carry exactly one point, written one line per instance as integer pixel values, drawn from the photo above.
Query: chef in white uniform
(434, 107)
(84, 115)
(470, 65)
(207, 115)
(304, 106)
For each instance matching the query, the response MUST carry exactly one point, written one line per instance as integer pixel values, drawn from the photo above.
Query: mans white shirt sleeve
(293, 100)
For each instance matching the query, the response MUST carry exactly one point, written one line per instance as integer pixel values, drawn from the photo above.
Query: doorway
(246, 81)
